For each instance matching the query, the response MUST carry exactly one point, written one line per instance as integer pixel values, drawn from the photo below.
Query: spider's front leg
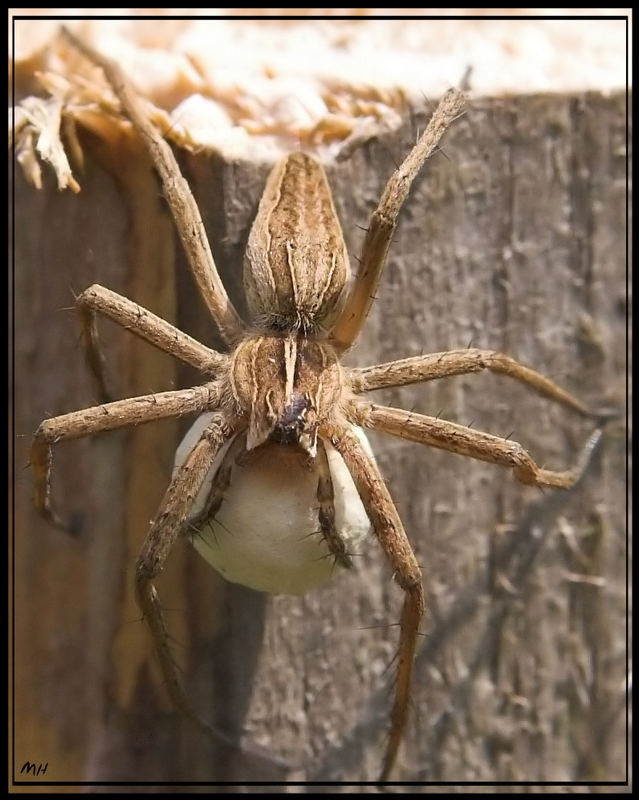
(391, 535)
(384, 220)
(165, 529)
(177, 193)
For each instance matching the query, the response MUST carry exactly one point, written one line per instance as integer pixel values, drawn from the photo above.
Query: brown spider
(279, 412)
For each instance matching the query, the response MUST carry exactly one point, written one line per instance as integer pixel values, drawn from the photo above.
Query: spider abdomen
(256, 520)
(296, 263)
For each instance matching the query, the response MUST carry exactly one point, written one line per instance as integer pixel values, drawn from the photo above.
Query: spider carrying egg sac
(265, 532)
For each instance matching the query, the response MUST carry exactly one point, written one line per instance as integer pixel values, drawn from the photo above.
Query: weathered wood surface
(514, 241)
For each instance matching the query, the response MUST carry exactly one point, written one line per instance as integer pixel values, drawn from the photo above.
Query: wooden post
(516, 241)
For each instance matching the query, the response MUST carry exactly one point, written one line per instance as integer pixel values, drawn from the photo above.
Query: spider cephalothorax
(286, 386)
(280, 420)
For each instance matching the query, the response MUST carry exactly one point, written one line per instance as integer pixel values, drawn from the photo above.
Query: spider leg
(178, 195)
(326, 513)
(468, 442)
(433, 366)
(397, 549)
(165, 529)
(219, 484)
(119, 414)
(384, 219)
(144, 324)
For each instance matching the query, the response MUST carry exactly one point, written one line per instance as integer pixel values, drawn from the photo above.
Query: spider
(280, 419)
